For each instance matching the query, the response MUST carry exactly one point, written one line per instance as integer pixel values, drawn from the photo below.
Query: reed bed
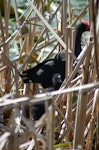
(71, 121)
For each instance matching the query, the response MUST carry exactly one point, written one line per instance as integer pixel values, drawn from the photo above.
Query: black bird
(51, 72)
(44, 72)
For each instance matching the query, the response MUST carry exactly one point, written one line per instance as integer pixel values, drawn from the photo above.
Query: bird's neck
(78, 48)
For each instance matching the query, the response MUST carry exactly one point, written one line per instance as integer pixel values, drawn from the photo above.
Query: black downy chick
(57, 80)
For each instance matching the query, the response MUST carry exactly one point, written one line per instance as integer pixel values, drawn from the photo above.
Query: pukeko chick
(51, 72)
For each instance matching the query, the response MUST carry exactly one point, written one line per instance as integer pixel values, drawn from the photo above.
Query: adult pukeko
(51, 72)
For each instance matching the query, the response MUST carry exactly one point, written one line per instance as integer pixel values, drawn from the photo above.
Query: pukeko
(51, 72)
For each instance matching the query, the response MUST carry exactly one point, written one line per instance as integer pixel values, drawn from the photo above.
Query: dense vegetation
(30, 32)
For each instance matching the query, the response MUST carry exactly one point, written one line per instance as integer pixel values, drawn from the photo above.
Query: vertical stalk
(81, 107)
(65, 33)
(17, 20)
(50, 127)
(7, 72)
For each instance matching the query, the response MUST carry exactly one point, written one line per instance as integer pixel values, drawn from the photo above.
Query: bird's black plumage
(44, 72)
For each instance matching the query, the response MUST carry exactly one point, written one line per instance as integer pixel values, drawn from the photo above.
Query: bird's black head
(86, 24)
(83, 26)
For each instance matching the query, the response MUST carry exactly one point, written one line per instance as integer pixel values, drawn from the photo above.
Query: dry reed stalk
(2, 29)
(95, 39)
(80, 119)
(88, 111)
(50, 127)
(2, 40)
(17, 20)
(4, 47)
(49, 95)
(90, 11)
(16, 80)
(6, 50)
(69, 70)
(13, 126)
(3, 139)
(24, 48)
(97, 115)
(97, 35)
(7, 16)
(7, 74)
(97, 45)
(65, 32)
(81, 108)
(92, 121)
(69, 13)
(93, 116)
(64, 21)
(32, 30)
(28, 87)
